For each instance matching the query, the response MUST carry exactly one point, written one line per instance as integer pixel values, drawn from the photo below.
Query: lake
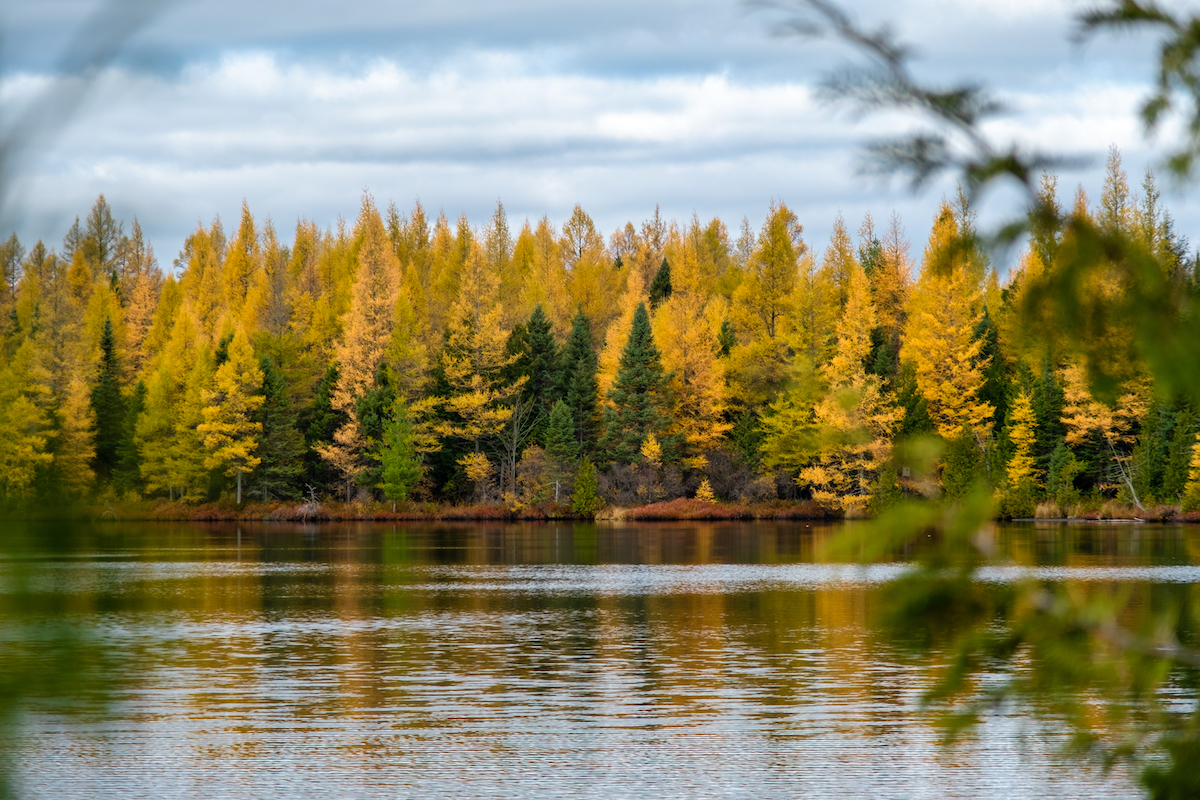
(506, 661)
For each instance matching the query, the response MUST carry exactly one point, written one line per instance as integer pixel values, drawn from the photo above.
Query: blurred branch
(94, 45)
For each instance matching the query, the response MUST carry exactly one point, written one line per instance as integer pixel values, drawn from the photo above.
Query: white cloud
(300, 136)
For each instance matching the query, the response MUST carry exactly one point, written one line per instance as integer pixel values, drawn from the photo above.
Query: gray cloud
(616, 106)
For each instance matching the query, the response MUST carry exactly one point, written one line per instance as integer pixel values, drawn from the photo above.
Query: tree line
(400, 358)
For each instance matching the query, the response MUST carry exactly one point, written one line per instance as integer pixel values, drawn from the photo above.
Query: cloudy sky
(296, 107)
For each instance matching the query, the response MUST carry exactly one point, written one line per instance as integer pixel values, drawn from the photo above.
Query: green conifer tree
(318, 423)
(963, 466)
(280, 445)
(109, 407)
(400, 461)
(579, 385)
(726, 339)
(639, 395)
(585, 496)
(560, 435)
(127, 476)
(544, 386)
(660, 287)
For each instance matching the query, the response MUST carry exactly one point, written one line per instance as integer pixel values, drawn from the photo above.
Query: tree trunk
(239, 502)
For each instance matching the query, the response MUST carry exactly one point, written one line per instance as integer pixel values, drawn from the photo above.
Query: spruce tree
(1048, 401)
(399, 460)
(127, 476)
(541, 355)
(374, 409)
(964, 465)
(1179, 456)
(726, 338)
(109, 407)
(281, 445)
(318, 424)
(579, 386)
(660, 287)
(560, 435)
(996, 381)
(638, 396)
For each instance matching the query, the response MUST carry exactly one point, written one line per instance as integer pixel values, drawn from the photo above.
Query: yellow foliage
(939, 334)
(1022, 435)
(855, 418)
(652, 450)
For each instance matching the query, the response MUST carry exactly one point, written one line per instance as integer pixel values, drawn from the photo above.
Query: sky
(699, 107)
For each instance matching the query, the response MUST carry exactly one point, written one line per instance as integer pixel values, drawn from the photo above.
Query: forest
(400, 359)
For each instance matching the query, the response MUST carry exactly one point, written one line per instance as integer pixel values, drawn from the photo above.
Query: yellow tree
(1113, 424)
(939, 341)
(229, 430)
(592, 282)
(243, 263)
(546, 276)
(856, 419)
(763, 308)
(364, 344)
(618, 333)
(1191, 490)
(1022, 434)
(474, 358)
(23, 423)
(688, 333)
(76, 439)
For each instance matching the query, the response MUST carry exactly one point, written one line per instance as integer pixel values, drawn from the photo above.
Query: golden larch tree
(856, 420)
(229, 431)
(939, 339)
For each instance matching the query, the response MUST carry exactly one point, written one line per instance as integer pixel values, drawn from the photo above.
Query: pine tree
(230, 431)
(585, 496)
(398, 454)
(108, 406)
(660, 287)
(1179, 456)
(561, 444)
(963, 465)
(127, 476)
(544, 386)
(639, 395)
(281, 446)
(1191, 490)
(578, 381)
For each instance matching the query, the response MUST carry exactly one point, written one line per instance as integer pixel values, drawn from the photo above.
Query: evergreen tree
(400, 461)
(374, 410)
(579, 386)
(1048, 399)
(109, 407)
(319, 422)
(726, 338)
(585, 496)
(544, 386)
(1180, 455)
(963, 465)
(280, 445)
(660, 287)
(995, 388)
(561, 444)
(127, 476)
(638, 396)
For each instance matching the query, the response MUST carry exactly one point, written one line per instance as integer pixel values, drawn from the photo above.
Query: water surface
(513, 661)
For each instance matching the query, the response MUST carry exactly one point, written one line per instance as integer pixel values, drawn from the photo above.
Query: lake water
(505, 661)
